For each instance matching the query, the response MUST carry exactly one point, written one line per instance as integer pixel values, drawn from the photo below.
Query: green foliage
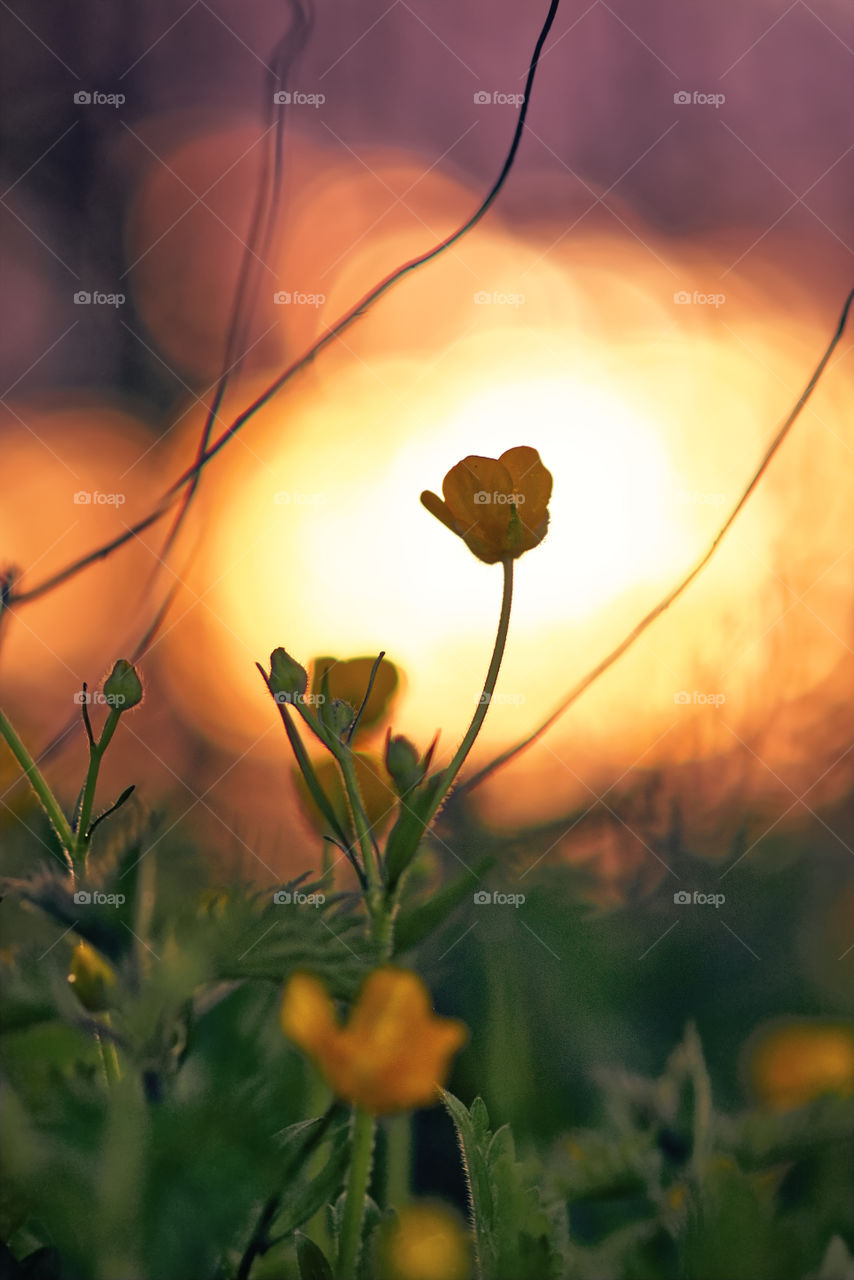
(515, 1235)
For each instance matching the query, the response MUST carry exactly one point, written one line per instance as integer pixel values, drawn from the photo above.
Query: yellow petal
(348, 680)
(308, 1015)
(439, 509)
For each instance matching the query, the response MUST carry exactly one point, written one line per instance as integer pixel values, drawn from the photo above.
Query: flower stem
(96, 754)
(398, 1159)
(488, 690)
(45, 796)
(361, 1157)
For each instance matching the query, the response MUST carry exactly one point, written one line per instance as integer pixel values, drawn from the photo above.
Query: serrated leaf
(311, 1259)
(513, 1233)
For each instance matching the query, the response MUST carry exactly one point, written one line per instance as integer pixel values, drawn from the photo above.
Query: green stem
(45, 796)
(109, 1056)
(398, 1159)
(96, 754)
(488, 690)
(348, 772)
(361, 1156)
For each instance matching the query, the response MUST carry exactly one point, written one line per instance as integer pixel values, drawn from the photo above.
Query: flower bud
(122, 687)
(402, 762)
(288, 680)
(91, 976)
(337, 716)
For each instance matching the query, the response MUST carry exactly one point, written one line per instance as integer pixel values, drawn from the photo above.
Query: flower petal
(307, 1015)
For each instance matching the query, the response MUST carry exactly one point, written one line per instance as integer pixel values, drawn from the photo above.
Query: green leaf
(408, 831)
(419, 922)
(312, 1261)
(513, 1233)
(302, 1200)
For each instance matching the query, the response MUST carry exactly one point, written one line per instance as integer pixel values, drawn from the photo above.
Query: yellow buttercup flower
(348, 680)
(427, 1242)
(393, 1054)
(375, 788)
(793, 1062)
(499, 507)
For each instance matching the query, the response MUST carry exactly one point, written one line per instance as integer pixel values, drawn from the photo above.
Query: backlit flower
(499, 507)
(794, 1062)
(393, 1054)
(427, 1242)
(348, 680)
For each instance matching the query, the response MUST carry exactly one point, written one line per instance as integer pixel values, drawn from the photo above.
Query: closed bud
(337, 715)
(402, 762)
(122, 687)
(288, 680)
(91, 976)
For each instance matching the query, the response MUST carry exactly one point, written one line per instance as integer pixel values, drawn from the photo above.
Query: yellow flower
(393, 1054)
(498, 507)
(348, 681)
(91, 976)
(793, 1062)
(428, 1242)
(378, 795)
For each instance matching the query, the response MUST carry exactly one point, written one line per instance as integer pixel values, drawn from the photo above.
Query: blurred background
(643, 305)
